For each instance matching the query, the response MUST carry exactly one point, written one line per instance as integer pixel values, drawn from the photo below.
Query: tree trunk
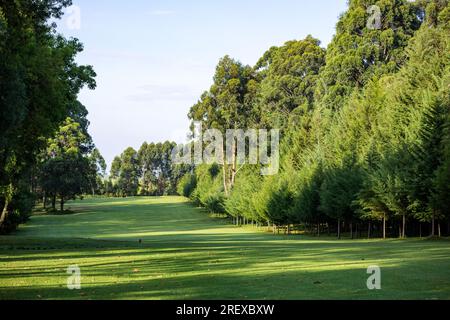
(288, 229)
(384, 226)
(439, 229)
(404, 226)
(54, 202)
(420, 229)
(44, 200)
(368, 231)
(318, 229)
(351, 230)
(224, 173)
(432, 226)
(62, 203)
(234, 166)
(4, 211)
(339, 229)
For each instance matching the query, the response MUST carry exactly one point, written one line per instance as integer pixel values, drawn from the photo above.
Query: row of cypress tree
(365, 127)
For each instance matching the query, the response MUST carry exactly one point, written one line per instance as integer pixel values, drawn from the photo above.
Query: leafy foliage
(39, 84)
(365, 124)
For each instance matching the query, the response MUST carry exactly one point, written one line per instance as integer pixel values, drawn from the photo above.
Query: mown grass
(184, 254)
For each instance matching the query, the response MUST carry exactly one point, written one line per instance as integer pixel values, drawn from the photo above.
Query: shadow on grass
(184, 254)
(348, 283)
(226, 270)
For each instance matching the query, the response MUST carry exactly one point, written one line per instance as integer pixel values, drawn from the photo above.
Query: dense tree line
(146, 172)
(365, 127)
(70, 166)
(45, 150)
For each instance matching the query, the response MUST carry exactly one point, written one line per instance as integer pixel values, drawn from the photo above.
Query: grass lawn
(184, 254)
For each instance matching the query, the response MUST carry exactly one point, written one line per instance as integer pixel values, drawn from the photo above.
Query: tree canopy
(39, 85)
(364, 125)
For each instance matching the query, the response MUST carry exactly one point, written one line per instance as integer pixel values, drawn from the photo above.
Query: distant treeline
(365, 127)
(146, 172)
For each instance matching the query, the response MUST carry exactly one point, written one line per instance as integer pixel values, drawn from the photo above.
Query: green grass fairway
(185, 254)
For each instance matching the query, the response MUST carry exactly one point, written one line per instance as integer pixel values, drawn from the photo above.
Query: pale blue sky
(154, 58)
